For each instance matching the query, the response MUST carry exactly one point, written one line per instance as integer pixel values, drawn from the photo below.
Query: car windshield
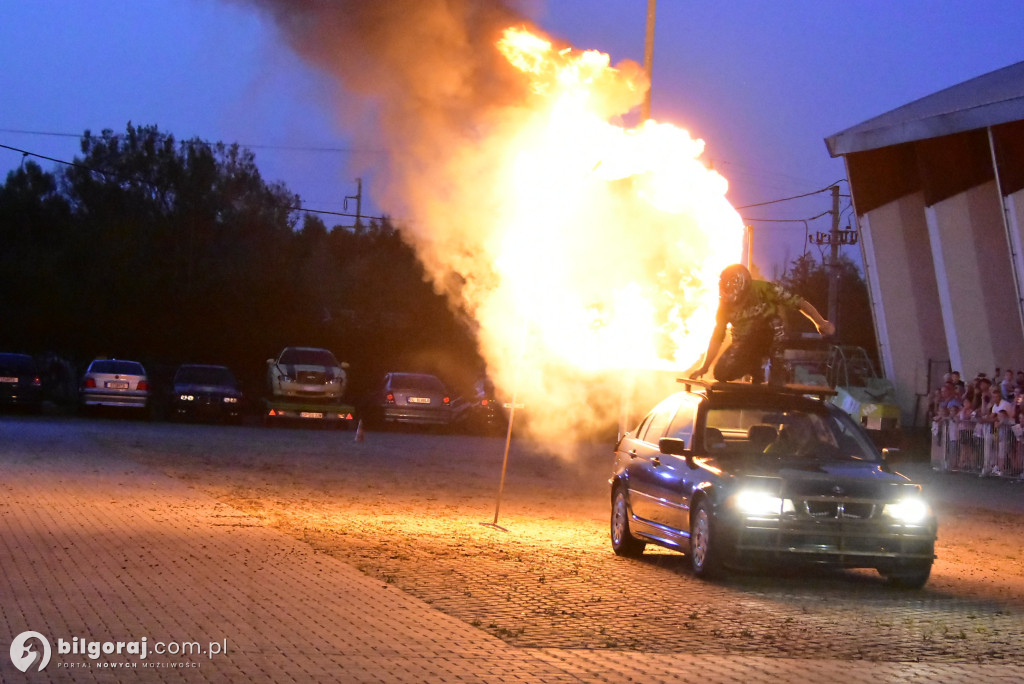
(786, 434)
(427, 383)
(117, 367)
(16, 364)
(308, 357)
(204, 375)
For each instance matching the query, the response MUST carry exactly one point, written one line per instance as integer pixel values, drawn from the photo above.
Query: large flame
(580, 246)
(608, 241)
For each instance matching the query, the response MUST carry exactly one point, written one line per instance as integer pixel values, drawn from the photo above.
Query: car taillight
(389, 397)
(90, 383)
(483, 402)
(447, 400)
(37, 381)
(143, 385)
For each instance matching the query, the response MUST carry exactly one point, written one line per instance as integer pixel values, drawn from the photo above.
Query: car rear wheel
(623, 541)
(705, 554)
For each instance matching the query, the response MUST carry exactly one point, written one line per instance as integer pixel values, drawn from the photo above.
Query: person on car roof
(756, 309)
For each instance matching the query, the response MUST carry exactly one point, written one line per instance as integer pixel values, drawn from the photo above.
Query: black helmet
(734, 283)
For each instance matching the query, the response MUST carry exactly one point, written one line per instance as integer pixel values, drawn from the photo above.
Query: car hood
(190, 388)
(291, 369)
(855, 478)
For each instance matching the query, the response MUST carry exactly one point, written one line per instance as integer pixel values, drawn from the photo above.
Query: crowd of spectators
(982, 399)
(982, 408)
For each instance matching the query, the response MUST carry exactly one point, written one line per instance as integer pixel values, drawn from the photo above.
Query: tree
(810, 279)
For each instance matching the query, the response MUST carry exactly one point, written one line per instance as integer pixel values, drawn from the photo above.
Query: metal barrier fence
(984, 449)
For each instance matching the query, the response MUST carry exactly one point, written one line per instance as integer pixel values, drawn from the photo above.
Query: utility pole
(358, 197)
(649, 56)
(833, 263)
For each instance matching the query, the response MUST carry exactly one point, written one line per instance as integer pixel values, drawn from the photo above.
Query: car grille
(849, 530)
(311, 377)
(829, 508)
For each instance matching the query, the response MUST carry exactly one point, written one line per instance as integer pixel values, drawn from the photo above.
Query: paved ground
(96, 545)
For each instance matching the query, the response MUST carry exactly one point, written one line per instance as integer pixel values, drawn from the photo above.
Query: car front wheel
(911, 576)
(705, 551)
(623, 541)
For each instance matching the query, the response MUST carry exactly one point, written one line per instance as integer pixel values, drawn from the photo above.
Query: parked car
(206, 392)
(20, 382)
(410, 398)
(306, 374)
(735, 474)
(485, 412)
(114, 383)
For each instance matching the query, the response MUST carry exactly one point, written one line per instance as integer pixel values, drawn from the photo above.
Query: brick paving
(98, 545)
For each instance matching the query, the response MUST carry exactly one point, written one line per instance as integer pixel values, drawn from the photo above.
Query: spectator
(961, 386)
(982, 388)
(996, 404)
(1008, 384)
(948, 403)
(1020, 380)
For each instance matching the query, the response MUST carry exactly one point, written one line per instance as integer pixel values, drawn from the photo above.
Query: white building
(938, 189)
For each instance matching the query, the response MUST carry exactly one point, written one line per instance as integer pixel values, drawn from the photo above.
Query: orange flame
(610, 239)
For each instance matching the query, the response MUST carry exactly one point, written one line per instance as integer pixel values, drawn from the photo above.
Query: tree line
(167, 252)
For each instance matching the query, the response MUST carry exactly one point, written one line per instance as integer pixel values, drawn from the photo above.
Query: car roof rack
(819, 391)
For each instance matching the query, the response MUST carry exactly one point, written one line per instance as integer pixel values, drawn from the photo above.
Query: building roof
(988, 100)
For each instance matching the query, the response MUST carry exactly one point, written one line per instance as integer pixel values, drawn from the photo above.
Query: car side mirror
(270, 362)
(673, 445)
(889, 454)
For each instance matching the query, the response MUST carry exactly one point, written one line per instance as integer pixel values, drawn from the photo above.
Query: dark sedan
(735, 474)
(206, 392)
(20, 382)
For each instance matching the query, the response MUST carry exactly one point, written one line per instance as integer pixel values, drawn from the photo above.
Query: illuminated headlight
(910, 510)
(754, 502)
(186, 397)
(230, 400)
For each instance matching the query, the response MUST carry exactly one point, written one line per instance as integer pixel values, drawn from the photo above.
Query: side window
(657, 424)
(682, 424)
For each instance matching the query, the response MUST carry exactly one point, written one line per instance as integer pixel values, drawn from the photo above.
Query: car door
(681, 479)
(654, 476)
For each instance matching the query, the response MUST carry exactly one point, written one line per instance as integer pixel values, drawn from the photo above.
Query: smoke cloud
(577, 247)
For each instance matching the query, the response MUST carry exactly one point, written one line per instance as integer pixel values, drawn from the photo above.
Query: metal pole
(833, 266)
(649, 56)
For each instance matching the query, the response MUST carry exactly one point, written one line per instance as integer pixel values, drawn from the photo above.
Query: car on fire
(740, 475)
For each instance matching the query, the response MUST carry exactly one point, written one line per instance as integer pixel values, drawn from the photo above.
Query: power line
(109, 174)
(786, 199)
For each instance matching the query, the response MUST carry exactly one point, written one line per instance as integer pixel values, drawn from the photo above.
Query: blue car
(741, 475)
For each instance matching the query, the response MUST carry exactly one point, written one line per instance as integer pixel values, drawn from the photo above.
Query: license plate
(116, 384)
(419, 400)
(6, 379)
(310, 414)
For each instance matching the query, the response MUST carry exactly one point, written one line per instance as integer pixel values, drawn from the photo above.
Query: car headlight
(756, 502)
(909, 510)
(186, 397)
(230, 400)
